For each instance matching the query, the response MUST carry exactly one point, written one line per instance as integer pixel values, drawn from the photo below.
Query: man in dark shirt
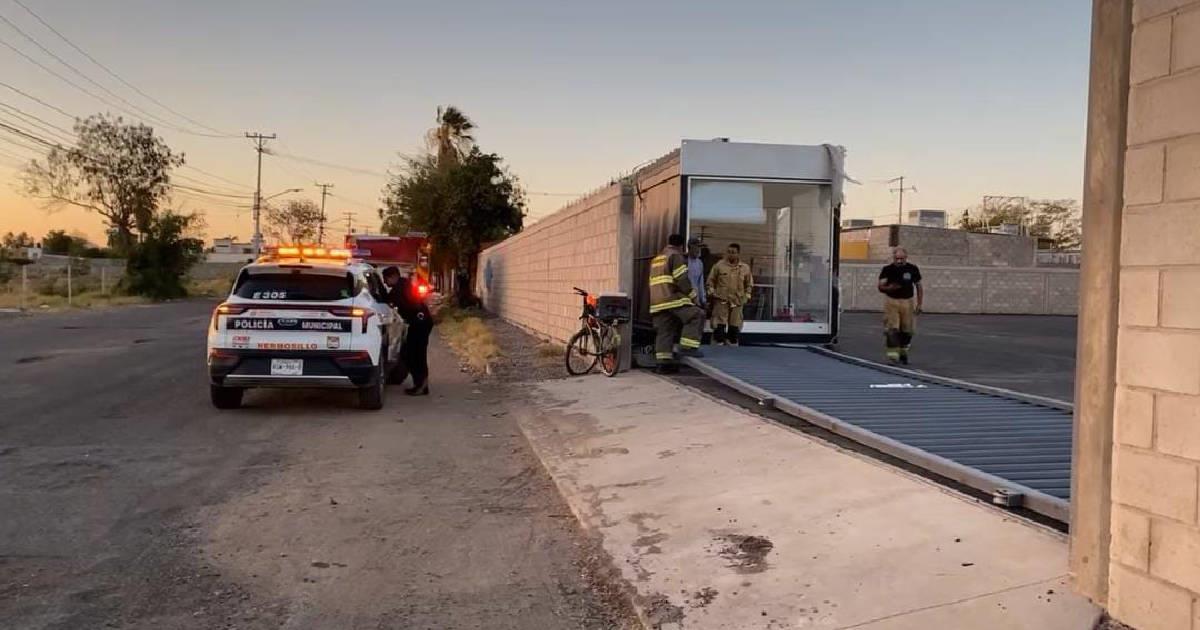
(898, 282)
(416, 314)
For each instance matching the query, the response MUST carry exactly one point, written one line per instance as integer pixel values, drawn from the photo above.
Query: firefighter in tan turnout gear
(672, 306)
(729, 286)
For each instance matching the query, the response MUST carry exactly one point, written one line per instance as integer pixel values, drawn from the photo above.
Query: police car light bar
(308, 253)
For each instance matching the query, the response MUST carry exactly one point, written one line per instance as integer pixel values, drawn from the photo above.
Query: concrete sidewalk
(721, 519)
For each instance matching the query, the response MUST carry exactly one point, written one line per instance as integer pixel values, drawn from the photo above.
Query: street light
(280, 194)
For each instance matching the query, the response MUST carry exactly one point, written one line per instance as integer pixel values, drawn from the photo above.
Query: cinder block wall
(947, 247)
(527, 279)
(1154, 574)
(993, 290)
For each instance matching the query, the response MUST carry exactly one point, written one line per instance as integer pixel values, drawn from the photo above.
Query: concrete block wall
(947, 247)
(1154, 572)
(527, 279)
(992, 290)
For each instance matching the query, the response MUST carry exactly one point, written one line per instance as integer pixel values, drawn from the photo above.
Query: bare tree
(296, 221)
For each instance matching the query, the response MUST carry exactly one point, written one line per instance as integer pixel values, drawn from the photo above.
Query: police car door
(389, 320)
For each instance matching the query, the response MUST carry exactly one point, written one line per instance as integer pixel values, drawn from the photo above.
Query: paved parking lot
(1026, 353)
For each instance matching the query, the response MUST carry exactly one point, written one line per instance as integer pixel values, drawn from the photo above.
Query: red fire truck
(410, 253)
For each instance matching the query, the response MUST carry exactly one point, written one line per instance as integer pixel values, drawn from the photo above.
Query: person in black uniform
(898, 282)
(413, 310)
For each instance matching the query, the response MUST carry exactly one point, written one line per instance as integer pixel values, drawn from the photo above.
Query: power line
(209, 192)
(69, 138)
(306, 160)
(116, 76)
(26, 114)
(300, 171)
(24, 145)
(56, 74)
(362, 204)
(201, 182)
(218, 177)
(25, 119)
(92, 81)
(47, 143)
(39, 101)
(25, 134)
(220, 203)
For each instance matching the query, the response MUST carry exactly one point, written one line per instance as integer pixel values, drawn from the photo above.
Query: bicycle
(598, 341)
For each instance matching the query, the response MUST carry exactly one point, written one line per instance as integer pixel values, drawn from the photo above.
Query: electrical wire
(361, 204)
(218, 177)
(113, 73)
(69, 138)
(38, 100)
(201, 182)
(25, 114)
(85, 77)
(60, 77)
(314, 162)
(18, 117)
(208, 192)
(25, 135)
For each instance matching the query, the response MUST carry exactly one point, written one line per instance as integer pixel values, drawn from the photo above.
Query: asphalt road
(1025, 353)
(129, 502)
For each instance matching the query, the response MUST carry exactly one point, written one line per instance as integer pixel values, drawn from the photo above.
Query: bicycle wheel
(581, 353)
(610, 357)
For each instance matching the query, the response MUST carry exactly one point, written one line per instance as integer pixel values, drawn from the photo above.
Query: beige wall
(941, 246)
(1154, 575)
(527, 279)
(995, 290)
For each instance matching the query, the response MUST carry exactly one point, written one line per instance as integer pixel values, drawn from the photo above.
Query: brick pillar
(1154, 577)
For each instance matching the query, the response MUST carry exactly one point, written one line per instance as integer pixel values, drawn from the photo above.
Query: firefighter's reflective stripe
(664, 356)
(657, 308)
(668, 281)
(689, 343)
(692, 295)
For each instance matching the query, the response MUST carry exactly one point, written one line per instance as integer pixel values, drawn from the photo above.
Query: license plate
(287, 367)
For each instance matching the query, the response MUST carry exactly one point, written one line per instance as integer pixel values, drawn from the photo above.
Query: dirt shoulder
(432, 513)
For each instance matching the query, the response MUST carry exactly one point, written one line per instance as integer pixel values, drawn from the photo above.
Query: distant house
(928, 218)
(230, 245)
(227, 249)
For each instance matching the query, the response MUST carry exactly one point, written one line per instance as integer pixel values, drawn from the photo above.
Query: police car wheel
(371, 396)
(226, 397)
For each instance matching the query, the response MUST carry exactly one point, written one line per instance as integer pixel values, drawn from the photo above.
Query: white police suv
(304, 317)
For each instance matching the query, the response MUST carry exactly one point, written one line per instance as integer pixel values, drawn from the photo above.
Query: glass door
(784, 230)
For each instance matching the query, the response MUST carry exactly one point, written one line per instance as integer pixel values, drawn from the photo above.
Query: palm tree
(451, 139)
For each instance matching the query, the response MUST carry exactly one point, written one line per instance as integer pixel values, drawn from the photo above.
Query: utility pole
(321, 230)
(349, 216)
(260, 141)
(900, 189)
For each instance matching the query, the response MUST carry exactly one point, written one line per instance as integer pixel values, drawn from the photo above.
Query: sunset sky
(963, 98)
